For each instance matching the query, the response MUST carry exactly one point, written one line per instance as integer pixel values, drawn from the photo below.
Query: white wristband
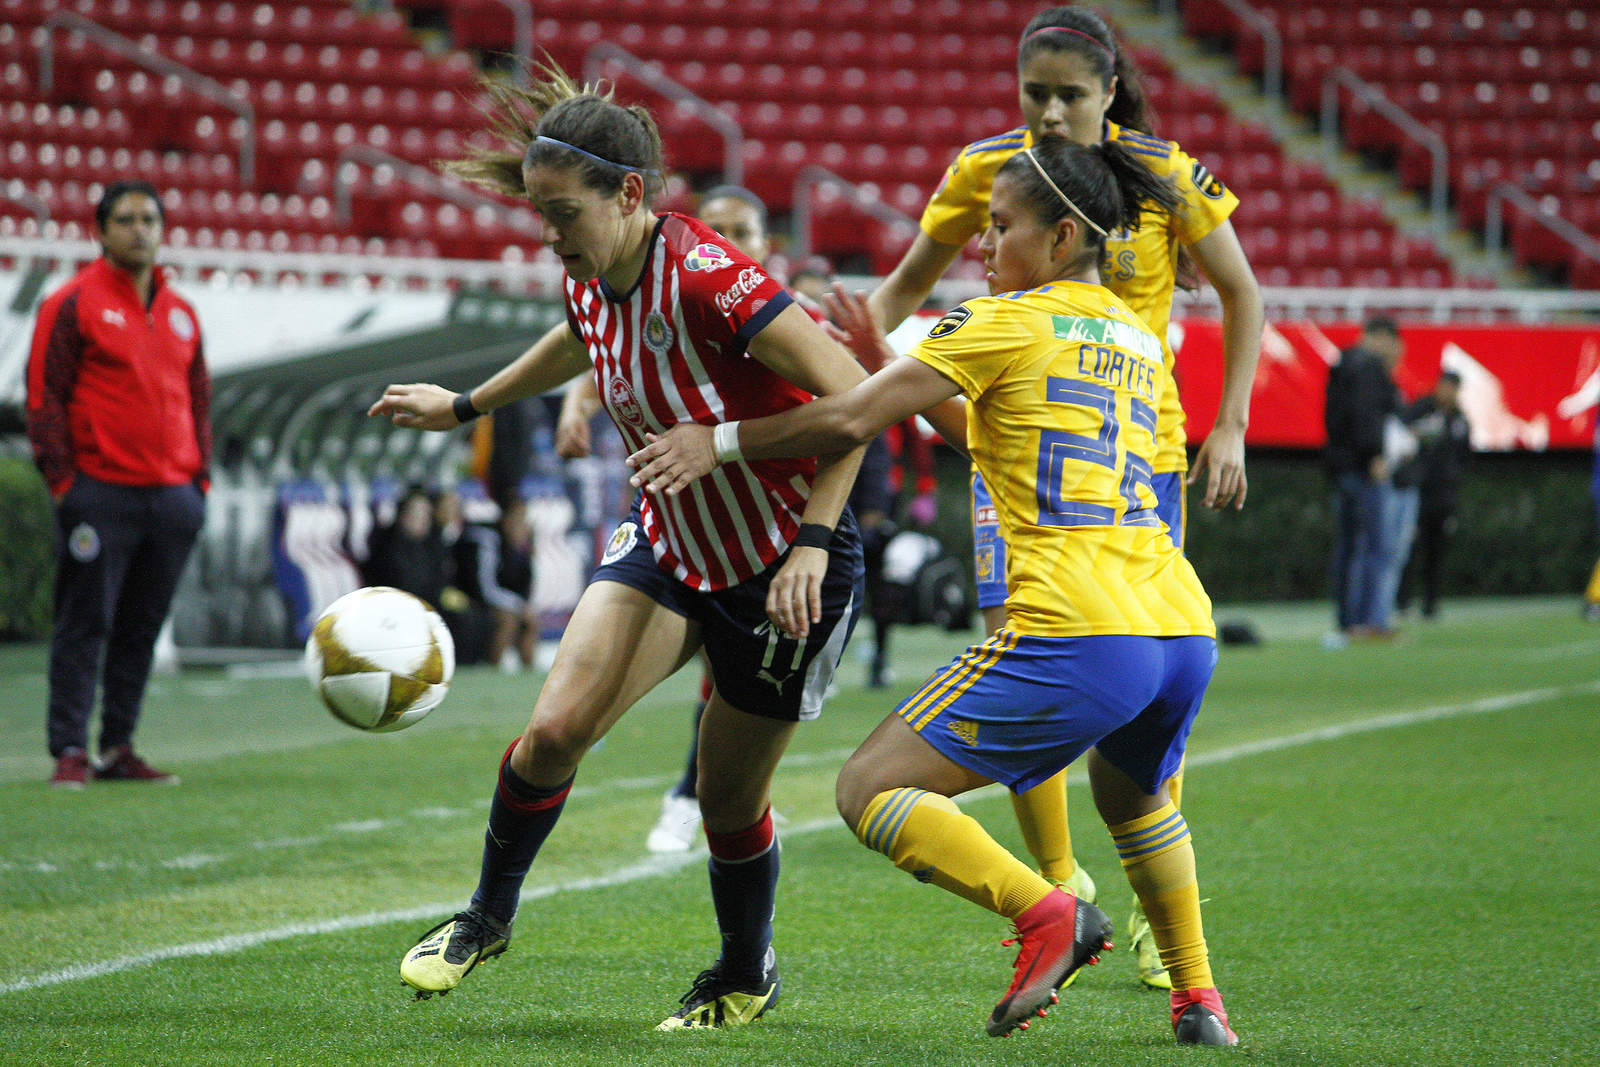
(725, 442)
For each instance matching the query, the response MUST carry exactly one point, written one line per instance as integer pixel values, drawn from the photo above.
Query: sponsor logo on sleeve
(951, 322)
(1209, 184)
(707, 257)
(750, 279)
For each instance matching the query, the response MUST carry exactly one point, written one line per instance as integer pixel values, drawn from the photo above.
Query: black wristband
(462, 406)
(812, 535)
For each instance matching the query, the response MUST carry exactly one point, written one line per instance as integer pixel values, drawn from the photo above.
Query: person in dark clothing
(1361, 399)
(494, 567)
(408, 553)
(118, 415)
(1444, 441)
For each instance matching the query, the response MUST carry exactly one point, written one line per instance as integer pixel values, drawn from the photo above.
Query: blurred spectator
(408, 553)
(494, 568)
(1362, 405)
(1444, 441)
(812, 278)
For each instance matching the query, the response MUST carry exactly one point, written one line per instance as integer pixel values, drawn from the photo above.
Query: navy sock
(744, 889)
(521, 816)
(691, 770)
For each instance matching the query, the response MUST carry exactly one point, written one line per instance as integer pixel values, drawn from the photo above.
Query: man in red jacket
(118, 413)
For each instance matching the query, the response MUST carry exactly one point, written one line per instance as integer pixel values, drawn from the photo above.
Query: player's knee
(557, 740)
(854, 790)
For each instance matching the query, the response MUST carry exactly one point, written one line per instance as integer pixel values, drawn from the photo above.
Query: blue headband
(597, 159)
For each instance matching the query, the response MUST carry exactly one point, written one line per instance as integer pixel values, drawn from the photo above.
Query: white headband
(1064, 198)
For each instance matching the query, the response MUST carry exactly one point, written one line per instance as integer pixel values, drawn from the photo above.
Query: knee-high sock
(1158, 858)
(521, 816)
(1042, 817)
(744, 891)
(1175, 788)
(926, 835)
(1592, 593)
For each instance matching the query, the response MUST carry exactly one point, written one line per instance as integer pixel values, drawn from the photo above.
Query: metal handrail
(1494, 222)
(129, 49)
(810, 178)
(727, 128)
(522, 32)
(420, 176)
(1271, 44)
(1374, 97)
(17, 193)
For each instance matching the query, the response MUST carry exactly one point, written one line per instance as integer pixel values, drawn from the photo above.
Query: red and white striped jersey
(675, 349)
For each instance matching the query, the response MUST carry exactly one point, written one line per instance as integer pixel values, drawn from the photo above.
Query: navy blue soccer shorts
(756, 668)
(1016, 709)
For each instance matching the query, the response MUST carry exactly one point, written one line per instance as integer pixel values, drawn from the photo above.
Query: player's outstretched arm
(555, 358)
(1221, 458)
(823, 427)
(912, 280)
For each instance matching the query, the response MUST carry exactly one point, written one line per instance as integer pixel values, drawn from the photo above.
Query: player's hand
(794, 599)
(1222, 460)
(417, 407)
(674, 459)
(852, 325)
(572, 437)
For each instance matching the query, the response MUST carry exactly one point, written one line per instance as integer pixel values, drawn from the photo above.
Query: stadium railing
(1404, 121)
(136, 53)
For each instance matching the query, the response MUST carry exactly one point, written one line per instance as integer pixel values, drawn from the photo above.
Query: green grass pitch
(1397, 845)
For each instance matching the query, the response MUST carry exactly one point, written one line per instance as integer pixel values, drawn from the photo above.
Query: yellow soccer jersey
(1140, 266)
(1062, 383)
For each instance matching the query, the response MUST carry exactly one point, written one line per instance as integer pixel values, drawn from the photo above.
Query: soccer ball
(380, 659)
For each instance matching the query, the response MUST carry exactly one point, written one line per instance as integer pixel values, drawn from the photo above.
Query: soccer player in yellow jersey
(1108, 644)
(1076, 83)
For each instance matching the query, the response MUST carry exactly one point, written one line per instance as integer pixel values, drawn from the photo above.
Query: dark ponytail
(1085, 34)
(1105, 182)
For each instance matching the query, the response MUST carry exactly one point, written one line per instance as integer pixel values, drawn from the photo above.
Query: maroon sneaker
(72, 769)
(121, 765)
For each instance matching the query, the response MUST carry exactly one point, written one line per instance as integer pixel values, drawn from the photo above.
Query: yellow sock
(1175, 788)
(1592, 593)
(1158, 858)
(1042, 817)
(928, 836)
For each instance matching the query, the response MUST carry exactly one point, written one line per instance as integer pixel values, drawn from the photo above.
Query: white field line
(661, 865)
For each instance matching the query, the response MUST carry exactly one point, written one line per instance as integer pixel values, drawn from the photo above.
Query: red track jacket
(115, 389)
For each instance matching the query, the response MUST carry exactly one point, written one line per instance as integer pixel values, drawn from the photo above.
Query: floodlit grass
(1396, 843)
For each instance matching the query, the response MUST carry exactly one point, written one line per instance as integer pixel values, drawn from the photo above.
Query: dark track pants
(120, 551)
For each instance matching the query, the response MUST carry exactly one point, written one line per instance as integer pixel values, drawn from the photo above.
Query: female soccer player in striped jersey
(1108, 643)
(676, 325)
(1076, 83)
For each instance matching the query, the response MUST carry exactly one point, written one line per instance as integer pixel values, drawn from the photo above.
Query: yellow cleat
(1079, 885)
(1152, 972)
(715, 1003)
(438, 962)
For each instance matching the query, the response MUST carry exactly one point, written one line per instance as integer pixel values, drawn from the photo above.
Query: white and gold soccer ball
(380, 659)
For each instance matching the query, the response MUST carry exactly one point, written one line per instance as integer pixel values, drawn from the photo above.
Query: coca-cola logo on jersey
(623, 404)
(750, 280)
